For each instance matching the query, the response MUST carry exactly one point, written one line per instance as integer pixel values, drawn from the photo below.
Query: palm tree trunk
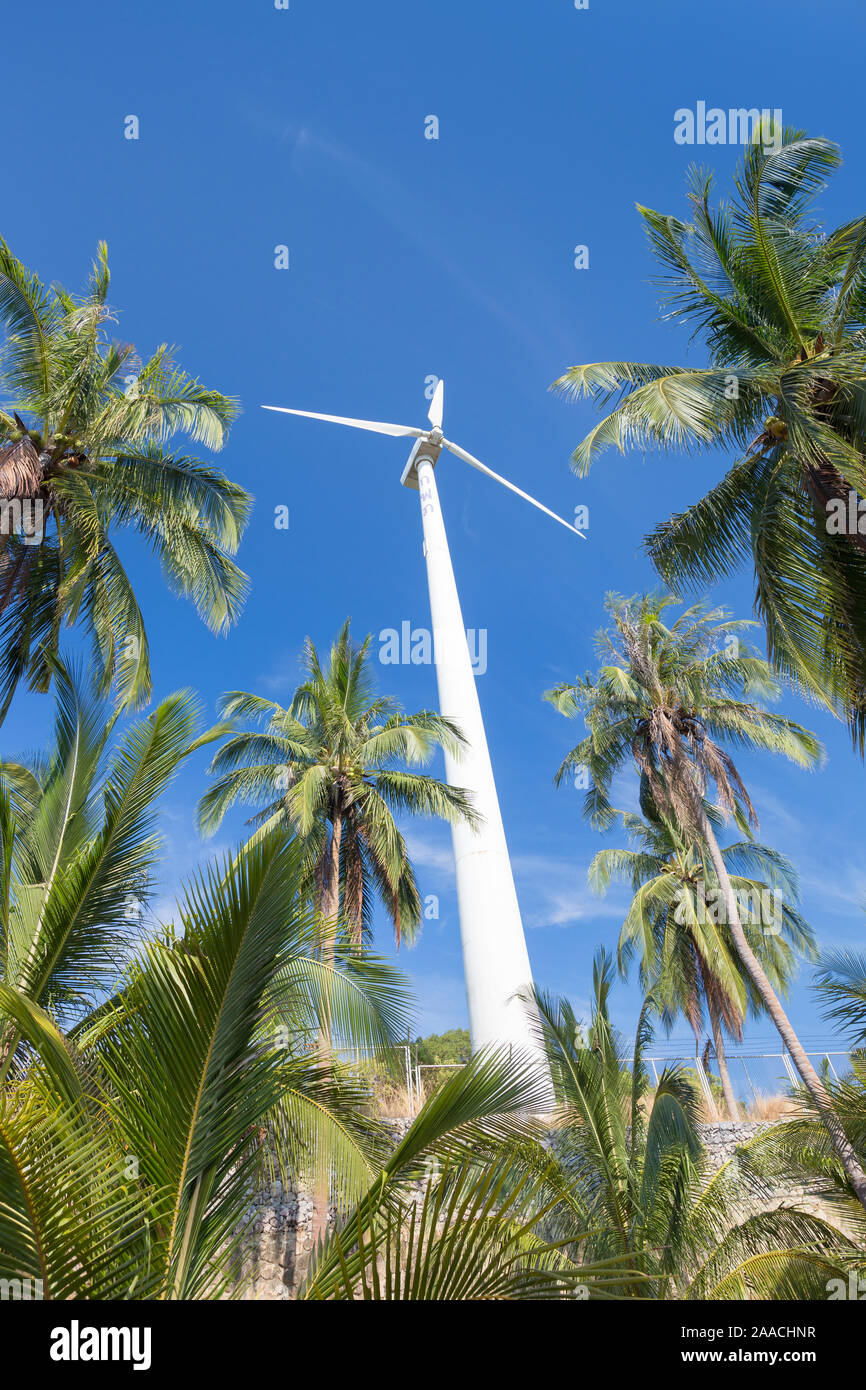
(722, 1062)
(700, 1067)
(825, 484)
(9, 1040)
(330, 910)
(810, 1078)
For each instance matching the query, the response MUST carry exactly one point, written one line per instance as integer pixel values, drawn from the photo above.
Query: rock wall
(724, 1136)
(279, 1243)
(281, 1240)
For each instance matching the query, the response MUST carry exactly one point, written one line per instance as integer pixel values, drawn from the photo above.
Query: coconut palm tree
(781, 305)
(78, 847)
(92, 452)
(644, 1186)
(675, 927)
(332, 766)
(801, 1148)
(667, 699)
(130, 1149)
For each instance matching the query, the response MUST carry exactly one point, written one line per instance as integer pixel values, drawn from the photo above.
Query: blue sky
(411, 258)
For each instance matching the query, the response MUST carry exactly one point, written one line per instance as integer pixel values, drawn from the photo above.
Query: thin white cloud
(553, 891)
(833, 883)
(284, 675)
(428, 853)
(774, 812)
(404, 208)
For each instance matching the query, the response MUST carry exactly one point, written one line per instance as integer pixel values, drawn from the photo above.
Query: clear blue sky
(412, 257)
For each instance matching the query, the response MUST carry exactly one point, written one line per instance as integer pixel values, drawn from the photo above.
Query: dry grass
(762, 1106)
(390, 1095)
(391, 1101)
(759, 1107)
(766, 1107)
(711, 1114)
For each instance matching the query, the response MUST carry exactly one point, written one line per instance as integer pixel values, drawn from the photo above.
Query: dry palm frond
(20, 470)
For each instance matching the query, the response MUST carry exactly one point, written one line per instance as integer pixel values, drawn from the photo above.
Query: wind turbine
(495, 958)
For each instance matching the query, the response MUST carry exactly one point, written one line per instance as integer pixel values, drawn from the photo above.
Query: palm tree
(129, 1151)
(78, 847)
(801, 1148)
(457, 1208)
(331, 766)
(687, 961)
(92, 451)
(781, 305)
(667, 699)
(130, 1148)
(644, 1186)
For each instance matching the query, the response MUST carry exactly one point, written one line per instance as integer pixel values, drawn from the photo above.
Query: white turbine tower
(495, 958)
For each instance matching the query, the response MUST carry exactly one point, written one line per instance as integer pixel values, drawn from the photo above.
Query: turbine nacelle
(430, 443)
(428, 448)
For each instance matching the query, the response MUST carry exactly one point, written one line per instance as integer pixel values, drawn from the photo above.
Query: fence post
(751, 1085)
(407, 1057)
(705, 1085)
(789, 1068)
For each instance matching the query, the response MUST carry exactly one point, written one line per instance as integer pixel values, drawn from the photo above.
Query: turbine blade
(375, 426)
(437, 405)
(482, 468)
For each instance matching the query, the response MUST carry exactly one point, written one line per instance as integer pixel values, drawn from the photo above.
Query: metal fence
(756, 1075)
(420, 1068)
(400, 1066)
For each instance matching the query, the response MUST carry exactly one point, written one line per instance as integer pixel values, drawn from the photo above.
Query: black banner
(86, 1341)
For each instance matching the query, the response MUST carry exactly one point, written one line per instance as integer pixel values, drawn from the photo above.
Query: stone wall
(279, 1244)
(724, 1136)
(281, 1234)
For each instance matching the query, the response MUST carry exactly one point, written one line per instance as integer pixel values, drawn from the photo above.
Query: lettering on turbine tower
(425, 488)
